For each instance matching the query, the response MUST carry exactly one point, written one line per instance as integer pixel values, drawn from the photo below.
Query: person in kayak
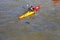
(32, 11)
(31, 8)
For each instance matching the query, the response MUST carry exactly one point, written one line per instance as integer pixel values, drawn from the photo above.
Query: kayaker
(32, 11)
(31, 8)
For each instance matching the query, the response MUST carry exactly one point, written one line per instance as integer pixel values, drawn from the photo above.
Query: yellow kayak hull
(26, 15)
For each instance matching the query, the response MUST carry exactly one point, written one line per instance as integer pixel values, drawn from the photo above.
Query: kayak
(27, 15)
(30, 13)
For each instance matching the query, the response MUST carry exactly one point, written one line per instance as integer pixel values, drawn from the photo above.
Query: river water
(44, 26)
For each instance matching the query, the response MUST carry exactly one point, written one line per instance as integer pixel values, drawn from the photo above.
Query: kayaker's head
(31, 8)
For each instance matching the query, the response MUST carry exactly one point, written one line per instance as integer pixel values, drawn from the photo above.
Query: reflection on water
(45, 26)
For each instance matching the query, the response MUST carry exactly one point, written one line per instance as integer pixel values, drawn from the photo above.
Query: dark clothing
(31, 8)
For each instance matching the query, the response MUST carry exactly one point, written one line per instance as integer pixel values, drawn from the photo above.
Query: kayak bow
(27, 15)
